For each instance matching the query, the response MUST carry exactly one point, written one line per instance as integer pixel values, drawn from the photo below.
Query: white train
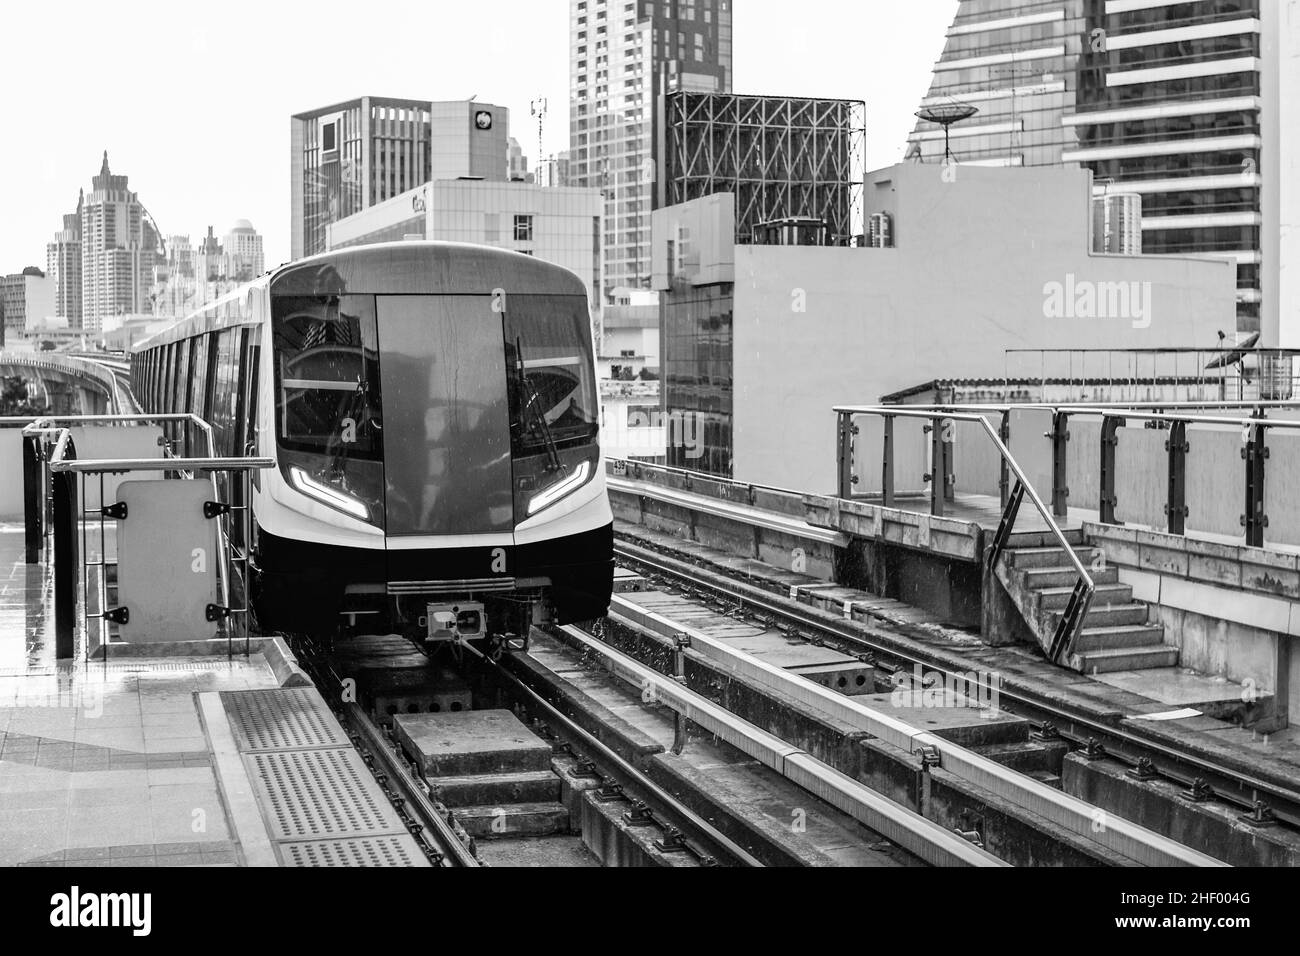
(433, 413)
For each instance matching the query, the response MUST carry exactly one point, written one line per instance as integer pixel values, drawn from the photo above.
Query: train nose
(447, 467)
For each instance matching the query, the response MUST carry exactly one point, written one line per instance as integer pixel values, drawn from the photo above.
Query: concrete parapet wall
(1232, 610)
(945, 537)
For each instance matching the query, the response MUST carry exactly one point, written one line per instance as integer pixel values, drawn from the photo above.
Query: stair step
(1112, 615)
(513, 820)
(537, 786)
(1116, 615)
(1112, 638)
(1037, 579)
(1055, 599)
(1043, 539)
(1127, 659)
(1048, 557)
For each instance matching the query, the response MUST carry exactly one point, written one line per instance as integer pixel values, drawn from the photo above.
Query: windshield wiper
(539, 416)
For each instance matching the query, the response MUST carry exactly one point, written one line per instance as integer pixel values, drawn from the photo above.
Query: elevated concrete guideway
(1211, 606)
(73, 385)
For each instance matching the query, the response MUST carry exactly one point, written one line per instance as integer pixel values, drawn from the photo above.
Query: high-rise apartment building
(348, 157)
(119, 247)
(624, 57)
(554, 171)
(1182, 103)
(243, 249)
(24, 296)
(63, 265)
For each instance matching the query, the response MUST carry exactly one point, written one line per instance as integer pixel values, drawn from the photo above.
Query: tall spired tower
(119, 248)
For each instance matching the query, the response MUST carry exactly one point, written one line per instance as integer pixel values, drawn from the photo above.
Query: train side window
(221, 406)
(180, 429)
(210, 382)
(240, 400)
(169, 378)
(253, 365)
(198, 390)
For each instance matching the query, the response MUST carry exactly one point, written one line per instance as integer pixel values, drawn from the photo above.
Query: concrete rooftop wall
(816, 327)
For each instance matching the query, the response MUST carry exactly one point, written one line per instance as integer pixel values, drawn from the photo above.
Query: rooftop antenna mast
(538, 108)
(1016, 73)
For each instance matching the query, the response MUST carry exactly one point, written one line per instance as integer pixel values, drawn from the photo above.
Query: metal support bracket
(215, 612)
(1109, 443)
(672, 841)
(929, 757)
(1260, 815)
(116, 511)
(585, 770)
(1176, 509)
(1145, 770)
(609, 791)
(639, 815)
(214, 509)
(1093, 750)
(1199, 791)
(1048, 731)
(118, 615)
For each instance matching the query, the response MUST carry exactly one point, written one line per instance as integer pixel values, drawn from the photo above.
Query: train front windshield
(431, 414)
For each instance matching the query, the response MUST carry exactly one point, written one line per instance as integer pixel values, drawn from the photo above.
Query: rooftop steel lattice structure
(782, 157)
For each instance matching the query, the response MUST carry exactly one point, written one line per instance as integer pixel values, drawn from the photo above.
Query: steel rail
(660, 799)
(1119, 835)
(861, 639)
(1228, 779)
(413, 800)
(915, 833)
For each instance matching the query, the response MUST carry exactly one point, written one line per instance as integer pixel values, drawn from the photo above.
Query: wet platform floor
(104, 763)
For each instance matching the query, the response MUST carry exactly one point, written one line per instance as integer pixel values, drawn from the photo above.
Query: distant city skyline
(228, 163)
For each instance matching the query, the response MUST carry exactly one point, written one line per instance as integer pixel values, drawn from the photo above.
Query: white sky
(193, 101)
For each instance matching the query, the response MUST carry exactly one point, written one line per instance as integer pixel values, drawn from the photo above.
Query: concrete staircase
(1116, 635)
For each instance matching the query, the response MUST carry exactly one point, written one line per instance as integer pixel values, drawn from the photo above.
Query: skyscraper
(1180, 103)
(118, 249)
(63, 264)
(624, 56)
(348, 157)
(243, 247)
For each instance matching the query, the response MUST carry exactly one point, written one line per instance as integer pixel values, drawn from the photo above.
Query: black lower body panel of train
(301, 586)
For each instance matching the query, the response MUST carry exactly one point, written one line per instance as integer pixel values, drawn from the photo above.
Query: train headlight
(566, 485)
(328, 495)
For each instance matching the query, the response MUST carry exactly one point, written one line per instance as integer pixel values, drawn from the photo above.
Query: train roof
(389, 268)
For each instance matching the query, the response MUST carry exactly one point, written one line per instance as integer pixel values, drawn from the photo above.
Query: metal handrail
(882, 411)
(123, 465)
(1173, 416)
(1099, 408)
(1089, 586)
(56, 431)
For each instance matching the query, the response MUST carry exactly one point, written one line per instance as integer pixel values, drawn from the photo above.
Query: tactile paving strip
(320, 802)
(286, 719)
(363, 851)
(321, 793)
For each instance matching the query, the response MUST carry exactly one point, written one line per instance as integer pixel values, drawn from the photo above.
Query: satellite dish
(947, 115)
(1235, 354)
